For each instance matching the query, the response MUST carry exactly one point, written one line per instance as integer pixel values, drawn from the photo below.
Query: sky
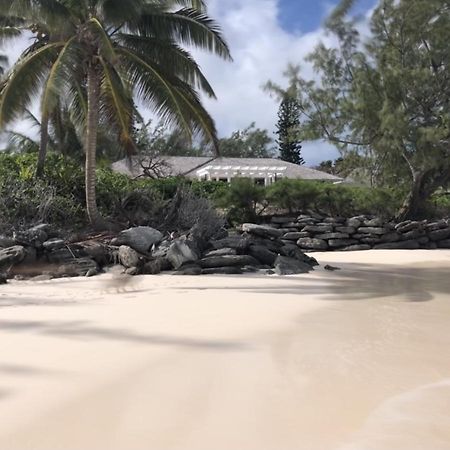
(264, 36)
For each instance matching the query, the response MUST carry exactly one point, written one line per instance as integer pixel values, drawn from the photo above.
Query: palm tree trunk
(93, 93)
(42, 147)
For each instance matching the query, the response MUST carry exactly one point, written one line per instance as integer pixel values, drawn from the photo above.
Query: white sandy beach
(357, 359)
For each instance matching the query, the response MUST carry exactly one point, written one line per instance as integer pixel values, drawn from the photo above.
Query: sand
(356, 359)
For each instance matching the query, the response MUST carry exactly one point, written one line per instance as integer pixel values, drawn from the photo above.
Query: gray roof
(189, 165)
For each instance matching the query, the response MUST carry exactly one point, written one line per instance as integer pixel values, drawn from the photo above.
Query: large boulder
(292, 251)
(327, 236)
(11, 256)
(129, 257)
(326, 228)
(233, 241)
(53, 244)
(263, 254)
(336, 243)
(284, 265)
(33, 237)
(405, 245)
(221, 252)
(140, 239)
(6, 242)
(312, 244)
(228, 261)
(180, 253)
(372, 230)
(439, 235)
(262, 230)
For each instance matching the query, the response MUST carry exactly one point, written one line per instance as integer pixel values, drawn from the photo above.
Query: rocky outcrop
(140, 239)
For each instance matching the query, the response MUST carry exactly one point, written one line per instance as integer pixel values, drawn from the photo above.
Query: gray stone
(354, 222)
(284, 265)
(423, 240)
(11, 256)
(53, 244)
(408, 225)
(332, 236)
(354, 248)
(129, 257)
(140, 239)
(228, 260)
(132, 271)
(436, 225)
(294, 236)
(225, 270)
(190, 269)
(444, 243)
(312, 244)
(407, 245)
(6, 242)
(391, 237)
(180, 252)
(413, 234)
(262, 230)
(336, 243)
(66, 254)
(91, 273)
(272, 245)
(371, 240)
(292, 251)
(376, 222)
(3, 278)
(372, 230)
(33, 237)
(262, 254)
(76, 268)
(348, 230)
(318, 228)
(234, 241)
(153, 267)
(431, 245)
(439, 235)
(221, 252)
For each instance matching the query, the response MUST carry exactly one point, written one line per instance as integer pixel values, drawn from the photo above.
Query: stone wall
(318, 233)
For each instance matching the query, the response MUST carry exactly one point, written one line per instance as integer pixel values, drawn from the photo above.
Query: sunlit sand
(355, 359)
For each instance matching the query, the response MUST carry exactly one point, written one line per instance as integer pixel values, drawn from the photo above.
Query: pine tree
(287, 128)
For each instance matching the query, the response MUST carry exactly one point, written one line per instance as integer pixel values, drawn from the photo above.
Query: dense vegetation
(58, 197)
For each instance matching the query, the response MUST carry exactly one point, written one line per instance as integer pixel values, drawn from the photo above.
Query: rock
(331, 268)
(226, 270)
(294, 236)
(284, 265)
(332, 236)
(372, 230)
(347, 230)
(233, 241)
(312, 244)
(221, 252)
(129, 257)
(371, 240)
(91, 273)
(354, 222)
(407, 245)
(11, 256)
(140, 239)
(336, 243)
(132, 271)
(53, 244)
(413, 234)
(153, 267)
(262, 254)
(409, 225)
(33, 237)
(161, 250)
(436, 225)
(430, 245)
(3, 278)
(444, 243)
(318, 228)
(292, 251)
(439, 235)
(101, 253)
(262, 230)
(180, 252)
(6, 242)
(76, 268)
(66, 254)
(228, 261)
(391, 237)
(376, 222)
(334, 220)
(355, 248)
(423, 240)
(283, 220)
(272, 245)
(190, 269)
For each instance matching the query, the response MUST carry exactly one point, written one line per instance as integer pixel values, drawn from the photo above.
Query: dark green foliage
(289, 145)
(294, 195)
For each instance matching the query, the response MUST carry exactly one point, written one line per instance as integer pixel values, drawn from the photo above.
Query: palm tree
(114, 52)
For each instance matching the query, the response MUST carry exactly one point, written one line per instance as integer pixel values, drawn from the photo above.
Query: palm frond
(24, 81)
(21, 143)
(186, 26)
(169, 55)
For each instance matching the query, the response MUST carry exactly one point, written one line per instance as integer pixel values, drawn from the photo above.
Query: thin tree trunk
(414, 202)
(42, 147)
(93, 93)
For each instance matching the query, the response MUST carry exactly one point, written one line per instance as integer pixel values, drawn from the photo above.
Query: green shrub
(294, 195)
(241, 199)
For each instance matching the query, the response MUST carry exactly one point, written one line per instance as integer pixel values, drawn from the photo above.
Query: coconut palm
(101, 55)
